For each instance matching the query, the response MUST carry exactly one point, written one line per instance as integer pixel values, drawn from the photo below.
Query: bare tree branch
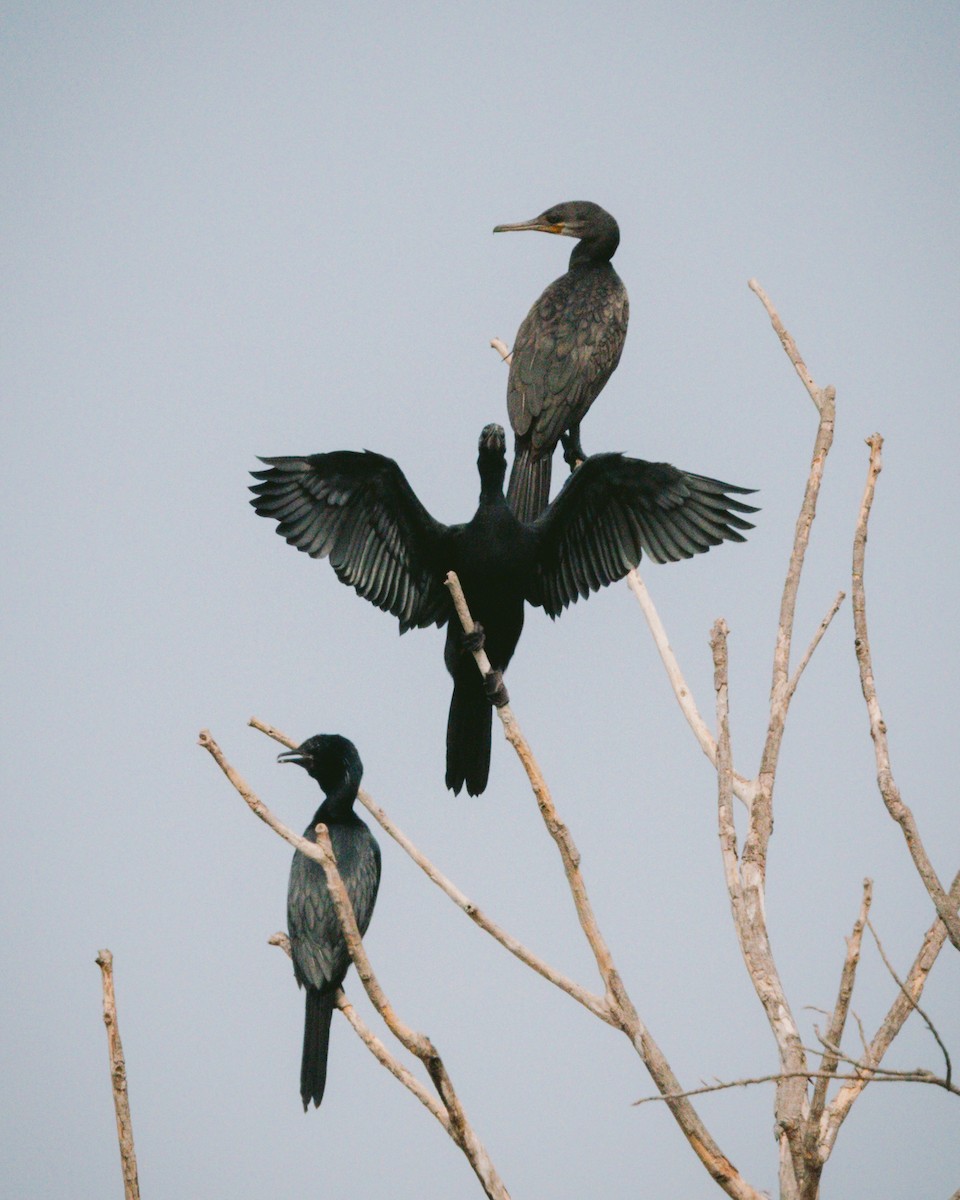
(621, 1006)
(946, 909)
(743, 788)
(902, 1007)
(418, 1044)
(118, 1078)
(595, 1004)
(815, 642)
(882, 1076)
(899, 982)
(791, 1101)
(375, 1046)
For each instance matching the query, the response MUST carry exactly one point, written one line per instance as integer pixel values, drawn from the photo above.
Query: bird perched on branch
(360, 511)
(565, 351)
(320, 955)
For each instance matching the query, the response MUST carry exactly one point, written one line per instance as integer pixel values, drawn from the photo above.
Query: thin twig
(899, 811)
(460, 1130)
(595, 1004)
(502, 349)
(743, 789)
(901, 1008)
(815, 642)
(118, 1078)
(883, 1076)
(899, 982)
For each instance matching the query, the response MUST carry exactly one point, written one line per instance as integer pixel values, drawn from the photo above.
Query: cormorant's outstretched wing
(612, 509)
(358, 509)
(565, 351)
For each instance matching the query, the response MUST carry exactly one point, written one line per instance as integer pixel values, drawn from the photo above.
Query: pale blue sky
(241, 229)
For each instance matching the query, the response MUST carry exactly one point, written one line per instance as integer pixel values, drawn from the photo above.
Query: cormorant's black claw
(474, 641)
(496, 689)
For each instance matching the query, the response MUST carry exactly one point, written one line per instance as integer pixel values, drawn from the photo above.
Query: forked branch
(946, 908)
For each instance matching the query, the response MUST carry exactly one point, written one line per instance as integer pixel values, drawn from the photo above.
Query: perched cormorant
(320, 955)
(565, 351)
(359, 510)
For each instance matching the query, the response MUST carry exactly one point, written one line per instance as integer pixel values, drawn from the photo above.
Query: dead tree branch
(118, 1078)
(595, 1004)
(901, 1008)
(376, 1047)
(622, 1009)
(460, 1130)
(899, 811)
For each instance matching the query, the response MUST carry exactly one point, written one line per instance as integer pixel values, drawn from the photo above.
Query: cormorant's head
(574, 218)
(328, 758)
(493, 440)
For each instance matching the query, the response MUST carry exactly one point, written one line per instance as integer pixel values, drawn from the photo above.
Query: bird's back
(565, 351)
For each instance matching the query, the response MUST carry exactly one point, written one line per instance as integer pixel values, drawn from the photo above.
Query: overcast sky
(242, 229)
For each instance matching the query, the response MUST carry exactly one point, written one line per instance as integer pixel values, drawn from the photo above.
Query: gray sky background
(255, 229)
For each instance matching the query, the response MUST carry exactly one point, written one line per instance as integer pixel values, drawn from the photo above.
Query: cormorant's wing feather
(358, 510)
(612, 510)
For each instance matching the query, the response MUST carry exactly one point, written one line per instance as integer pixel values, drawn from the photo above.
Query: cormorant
(359, 509)
(565, 351)
(320, 955)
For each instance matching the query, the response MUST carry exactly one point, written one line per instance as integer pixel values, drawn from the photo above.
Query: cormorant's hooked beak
(493, 438)
(538, 224)
(293, 756)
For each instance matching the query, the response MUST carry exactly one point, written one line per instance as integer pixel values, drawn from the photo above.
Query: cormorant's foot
(474, 641)
(573, 454)
(496, 689)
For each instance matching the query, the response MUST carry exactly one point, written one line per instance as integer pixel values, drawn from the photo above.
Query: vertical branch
(791, 1101)
(118, 1077)
(622, 1010)
(946, 909)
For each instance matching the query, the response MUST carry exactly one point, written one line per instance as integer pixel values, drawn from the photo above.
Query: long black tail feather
(468, 732)
(316, 1040)
(528, 492)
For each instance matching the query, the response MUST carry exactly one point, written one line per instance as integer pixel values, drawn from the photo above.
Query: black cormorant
(359, 510)
(320, 955)
(565, 351)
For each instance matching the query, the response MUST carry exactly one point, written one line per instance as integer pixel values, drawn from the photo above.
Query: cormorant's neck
(338, 804)
(596, 248)
(493, 469)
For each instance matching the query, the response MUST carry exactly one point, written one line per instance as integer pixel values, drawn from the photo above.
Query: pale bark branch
(621, 1006)
(900, 1009)
(946, 909)
(744, 789)
(375, 1046)
(920, 1012)
(460, 1130)
(791, 1100)
(815, 642)
(882, 1076)
(118, 1079)
(595, 1004)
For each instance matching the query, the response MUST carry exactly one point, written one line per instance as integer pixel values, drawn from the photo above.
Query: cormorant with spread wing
(359, 510)
(320, 955)
(565, 351)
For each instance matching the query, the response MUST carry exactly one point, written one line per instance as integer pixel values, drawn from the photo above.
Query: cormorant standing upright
(360, 511)
(320, 955)
(565, 351)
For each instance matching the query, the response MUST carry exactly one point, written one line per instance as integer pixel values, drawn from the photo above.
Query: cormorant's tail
(468, 731)
(528, 492)
(316, 1039)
